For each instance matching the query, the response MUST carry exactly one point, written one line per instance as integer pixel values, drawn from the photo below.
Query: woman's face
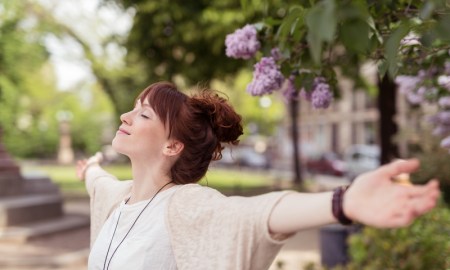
(141, 134)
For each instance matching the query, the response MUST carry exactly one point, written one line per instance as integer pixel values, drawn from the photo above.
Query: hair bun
(225, 122)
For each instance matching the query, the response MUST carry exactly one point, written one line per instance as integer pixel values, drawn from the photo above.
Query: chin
(118, 147)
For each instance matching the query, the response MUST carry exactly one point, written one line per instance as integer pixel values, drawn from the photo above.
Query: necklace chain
(117, 223)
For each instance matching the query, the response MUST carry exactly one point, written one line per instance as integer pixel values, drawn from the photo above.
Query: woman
(163, 220)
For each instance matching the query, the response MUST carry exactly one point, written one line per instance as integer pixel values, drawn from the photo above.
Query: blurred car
(361, 158)
(244, 156)
(327, 163)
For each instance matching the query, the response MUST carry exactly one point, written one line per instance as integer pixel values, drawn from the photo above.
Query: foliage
(434, 165)
(327, 39)
(321, 37)
(423, 245)
(29, 100)
(22, 68)
(185, 38)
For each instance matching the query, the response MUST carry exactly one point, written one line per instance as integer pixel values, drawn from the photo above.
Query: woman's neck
(147, 180)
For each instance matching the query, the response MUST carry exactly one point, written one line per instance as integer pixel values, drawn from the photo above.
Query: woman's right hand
(83, 165)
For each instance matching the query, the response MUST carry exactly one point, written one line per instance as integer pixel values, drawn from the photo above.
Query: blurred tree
(29, 100)
(180, 37)
(22, 63)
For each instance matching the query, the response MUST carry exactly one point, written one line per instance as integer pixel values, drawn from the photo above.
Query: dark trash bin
(333, 245)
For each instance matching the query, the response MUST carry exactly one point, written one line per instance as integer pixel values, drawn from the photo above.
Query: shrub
(435, 164)
(423, 245)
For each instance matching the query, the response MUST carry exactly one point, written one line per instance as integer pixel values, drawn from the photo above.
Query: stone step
(23, 209)
(28, 231)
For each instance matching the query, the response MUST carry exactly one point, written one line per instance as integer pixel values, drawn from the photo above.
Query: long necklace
(117, 223)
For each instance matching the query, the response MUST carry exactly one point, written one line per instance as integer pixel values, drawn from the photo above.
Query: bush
(423, 245)
(435, 165)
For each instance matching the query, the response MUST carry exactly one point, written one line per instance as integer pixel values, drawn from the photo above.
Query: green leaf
(443, 28)
(272, 22)
(382, 68)
(294, 20)
(304, 80)
(427, 9)
(355, 35)
(392, 46)
(374, 32)
(322, 20)
(315, 47)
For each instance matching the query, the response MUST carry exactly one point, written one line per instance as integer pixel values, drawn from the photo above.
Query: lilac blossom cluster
(243, 43)
(431, 86)
(267, 77)
(321, 95)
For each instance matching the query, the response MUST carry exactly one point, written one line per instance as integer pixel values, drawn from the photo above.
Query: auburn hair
(202, 122)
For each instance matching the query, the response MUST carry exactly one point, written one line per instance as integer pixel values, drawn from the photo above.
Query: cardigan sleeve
(105, 192)
(211, 231)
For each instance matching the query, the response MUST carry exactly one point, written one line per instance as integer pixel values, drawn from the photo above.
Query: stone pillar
(65, 151)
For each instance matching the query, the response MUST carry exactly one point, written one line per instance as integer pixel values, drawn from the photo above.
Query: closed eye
(145, 116)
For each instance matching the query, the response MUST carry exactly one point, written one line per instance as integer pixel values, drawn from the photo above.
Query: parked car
(361, 158)
(328, 163)
(244, 156)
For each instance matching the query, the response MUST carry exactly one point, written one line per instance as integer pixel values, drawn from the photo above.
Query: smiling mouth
(123, 131)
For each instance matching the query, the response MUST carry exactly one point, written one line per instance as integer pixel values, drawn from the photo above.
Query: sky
(94, 23)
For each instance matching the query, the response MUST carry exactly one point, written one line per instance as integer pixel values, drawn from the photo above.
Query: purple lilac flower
(266, 77)
(321, 95)
(441, 130)
(444, 81)
(276, 54)
(445, 143)
(416, 97)
(442, 118)
(243, 43)
(444, 102)
(407, 84)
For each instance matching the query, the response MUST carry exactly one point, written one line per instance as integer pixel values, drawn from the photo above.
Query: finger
(398, 167)
(431, 189)
(401, 220)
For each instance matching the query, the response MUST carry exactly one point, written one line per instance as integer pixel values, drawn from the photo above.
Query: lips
(121, 130)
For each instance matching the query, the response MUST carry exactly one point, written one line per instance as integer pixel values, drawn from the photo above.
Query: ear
(173, 148)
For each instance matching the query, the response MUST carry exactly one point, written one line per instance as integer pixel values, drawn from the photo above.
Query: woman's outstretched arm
(372, 199)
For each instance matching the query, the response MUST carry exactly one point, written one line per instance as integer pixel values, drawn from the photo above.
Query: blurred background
(69, 69)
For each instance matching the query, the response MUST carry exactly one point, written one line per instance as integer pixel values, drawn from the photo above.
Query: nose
(125, 118)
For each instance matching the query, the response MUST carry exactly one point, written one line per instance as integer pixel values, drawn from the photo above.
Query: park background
(68, 69)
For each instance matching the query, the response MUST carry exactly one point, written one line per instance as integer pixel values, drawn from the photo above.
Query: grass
(219, 178)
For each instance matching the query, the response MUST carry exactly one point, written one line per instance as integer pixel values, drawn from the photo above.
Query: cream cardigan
(207, 229)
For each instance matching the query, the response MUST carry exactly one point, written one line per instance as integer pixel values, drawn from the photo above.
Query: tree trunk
(294, 104)
(387, 100)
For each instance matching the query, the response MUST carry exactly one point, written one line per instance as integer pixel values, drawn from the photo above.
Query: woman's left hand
(83, 164)
(376, 200)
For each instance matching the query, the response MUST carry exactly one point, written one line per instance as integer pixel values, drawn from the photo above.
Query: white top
(147, 246)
